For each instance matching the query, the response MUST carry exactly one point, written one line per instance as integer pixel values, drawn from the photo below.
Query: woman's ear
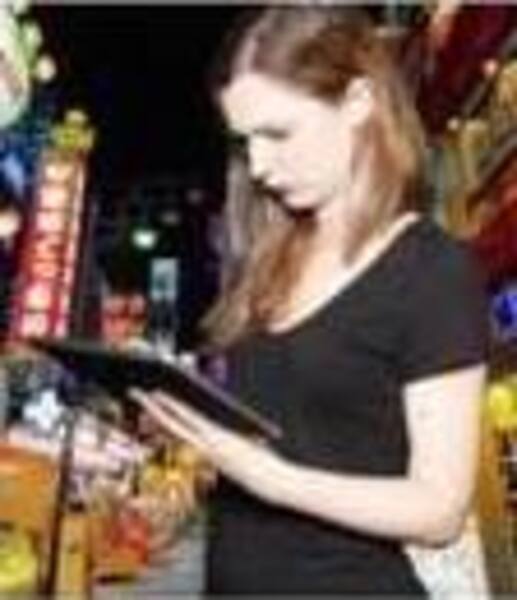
(358, 102)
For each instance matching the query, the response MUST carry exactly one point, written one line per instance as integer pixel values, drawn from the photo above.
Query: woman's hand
(248, 462)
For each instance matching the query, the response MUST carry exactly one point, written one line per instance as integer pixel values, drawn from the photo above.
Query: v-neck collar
(393, 237)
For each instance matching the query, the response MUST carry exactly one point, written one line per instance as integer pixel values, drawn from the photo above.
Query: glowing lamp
(45, 69)
(144, 238)
(10, 222)
(502, 406)
(490, 68)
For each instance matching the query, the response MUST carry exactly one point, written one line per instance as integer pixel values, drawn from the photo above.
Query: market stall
(468, 98)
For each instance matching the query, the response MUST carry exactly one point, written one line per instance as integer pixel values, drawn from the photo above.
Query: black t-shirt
(334, 383)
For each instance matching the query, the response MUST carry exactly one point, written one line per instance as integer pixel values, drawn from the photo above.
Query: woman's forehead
(252, 101)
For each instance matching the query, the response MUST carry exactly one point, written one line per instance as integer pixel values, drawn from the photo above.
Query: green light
(144, 238)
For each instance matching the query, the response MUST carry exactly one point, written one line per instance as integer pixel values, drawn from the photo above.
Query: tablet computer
(118, 371)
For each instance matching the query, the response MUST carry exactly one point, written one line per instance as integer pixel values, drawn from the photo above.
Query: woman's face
(296, 144)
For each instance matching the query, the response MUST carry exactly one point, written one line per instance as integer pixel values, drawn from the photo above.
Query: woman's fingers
(184, 413)
(165, 418)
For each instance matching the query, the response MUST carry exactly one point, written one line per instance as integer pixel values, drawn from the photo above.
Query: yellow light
(502, 406)
(58, 172)
(45, 69)
(76, 116)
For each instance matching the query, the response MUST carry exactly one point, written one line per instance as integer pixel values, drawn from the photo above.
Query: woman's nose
(262, 160)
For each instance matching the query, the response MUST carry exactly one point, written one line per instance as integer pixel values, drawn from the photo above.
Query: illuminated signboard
(122, 317)
(44, 288)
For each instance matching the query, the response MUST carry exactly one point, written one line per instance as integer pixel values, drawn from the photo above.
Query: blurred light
(10, 221)
(443, 15)
(19, 6)
(14, 172)
(170, 218)
(54, 196)
(490, 68)
(15, 81)
(32, 36)
(58, 172)
(144, 238)
(453, 124)
(76, 116)
(45, 69)
(195, 196)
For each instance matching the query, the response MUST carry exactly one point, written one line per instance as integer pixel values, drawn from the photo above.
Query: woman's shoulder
(445, 308)
(431, 236)
(440, 269)
(432, 248)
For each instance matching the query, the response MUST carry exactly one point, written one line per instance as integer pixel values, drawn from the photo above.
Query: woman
(347, 317)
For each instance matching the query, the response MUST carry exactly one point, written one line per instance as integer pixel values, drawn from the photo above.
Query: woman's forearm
(395, 507)
(427, 506)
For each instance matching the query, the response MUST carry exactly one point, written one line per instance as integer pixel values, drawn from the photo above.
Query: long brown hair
(318, 50)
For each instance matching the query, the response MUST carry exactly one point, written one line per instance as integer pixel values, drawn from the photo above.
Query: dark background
(139, 72)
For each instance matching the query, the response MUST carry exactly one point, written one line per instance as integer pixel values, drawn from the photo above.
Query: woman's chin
(302, 203)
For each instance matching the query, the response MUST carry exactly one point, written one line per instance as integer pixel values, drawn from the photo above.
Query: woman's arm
(426, 506)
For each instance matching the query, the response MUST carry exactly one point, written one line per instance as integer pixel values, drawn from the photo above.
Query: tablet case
(118, 371)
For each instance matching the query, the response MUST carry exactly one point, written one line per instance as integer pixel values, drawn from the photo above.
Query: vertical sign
(44, 287)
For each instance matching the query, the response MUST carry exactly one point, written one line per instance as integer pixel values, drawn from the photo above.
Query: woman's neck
(326, 254)
(324, 273)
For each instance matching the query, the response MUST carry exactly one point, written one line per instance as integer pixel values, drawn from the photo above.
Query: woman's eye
(276, 134)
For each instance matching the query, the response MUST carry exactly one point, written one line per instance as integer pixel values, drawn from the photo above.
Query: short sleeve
(446, 317)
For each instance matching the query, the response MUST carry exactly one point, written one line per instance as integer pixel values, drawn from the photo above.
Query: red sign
(41, 306)
(123, 317)
(445, 75)
(496, 242)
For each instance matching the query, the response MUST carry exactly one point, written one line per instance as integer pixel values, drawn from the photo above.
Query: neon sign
(42, 302)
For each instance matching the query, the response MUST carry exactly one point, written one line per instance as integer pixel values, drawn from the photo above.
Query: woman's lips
(273, 191)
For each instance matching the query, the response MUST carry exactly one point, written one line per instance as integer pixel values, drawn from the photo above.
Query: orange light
(490, 68)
